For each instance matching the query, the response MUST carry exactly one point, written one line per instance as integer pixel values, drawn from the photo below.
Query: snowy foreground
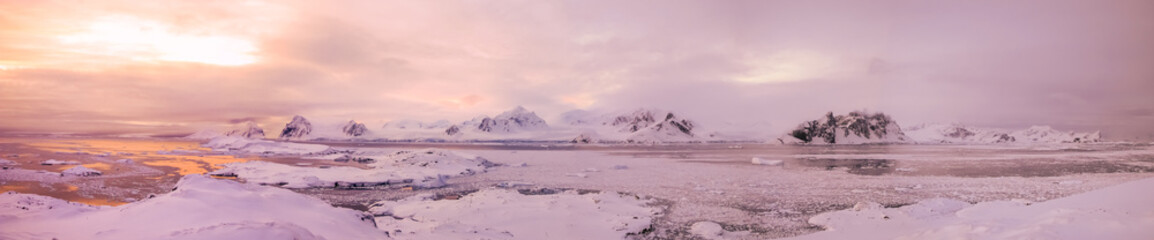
(1118, 212)
(206, 208)
(201, 207)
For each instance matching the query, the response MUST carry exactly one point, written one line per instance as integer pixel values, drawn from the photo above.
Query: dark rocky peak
(849, 128)
(297, 128)
(353, 128)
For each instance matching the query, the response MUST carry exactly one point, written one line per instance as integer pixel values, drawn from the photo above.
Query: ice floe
(81, 171)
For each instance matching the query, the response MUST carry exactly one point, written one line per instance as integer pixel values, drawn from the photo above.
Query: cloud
(1074, 64)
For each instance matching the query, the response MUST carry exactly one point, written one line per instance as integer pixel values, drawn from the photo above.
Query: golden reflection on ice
(193, 164)
(144, 151)
(14, 188)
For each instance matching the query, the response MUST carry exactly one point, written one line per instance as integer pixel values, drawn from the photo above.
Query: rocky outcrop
(453, 130)
(854, 128)
(583, 138)
(298, 128)
(354, 129)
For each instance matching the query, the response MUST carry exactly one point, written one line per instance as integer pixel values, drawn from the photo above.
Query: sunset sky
(176, 66)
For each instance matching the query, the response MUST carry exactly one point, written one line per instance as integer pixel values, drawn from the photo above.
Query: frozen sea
(692, 182)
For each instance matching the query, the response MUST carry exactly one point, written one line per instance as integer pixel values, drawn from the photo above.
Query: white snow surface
(958, 133)
(424, 168)
(236, 144)
(1119, 212)
(507, 214)
(199, 208)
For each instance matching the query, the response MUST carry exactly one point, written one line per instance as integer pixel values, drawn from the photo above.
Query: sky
(168, 67)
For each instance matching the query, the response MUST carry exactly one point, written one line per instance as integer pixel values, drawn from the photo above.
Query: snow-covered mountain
(857, 127)
(250, 130)
(958, 133)
(639, 126)
(298, 128)
(247, 129)
(516, 120)
(354, 129)
(414, 124)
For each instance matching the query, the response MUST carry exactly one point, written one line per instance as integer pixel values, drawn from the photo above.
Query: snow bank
(1118, 212)
(507, 214)
(58, 162)
(762, 161)
(81, 171)
(423, 168)
(247, 145)
(199, 208)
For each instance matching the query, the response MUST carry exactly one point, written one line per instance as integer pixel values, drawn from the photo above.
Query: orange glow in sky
(144, 40)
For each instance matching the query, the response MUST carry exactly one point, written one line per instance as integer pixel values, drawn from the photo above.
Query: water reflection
(173, 158)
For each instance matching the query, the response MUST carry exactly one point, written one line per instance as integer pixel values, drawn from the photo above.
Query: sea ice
(424, 168)
(507, 214)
